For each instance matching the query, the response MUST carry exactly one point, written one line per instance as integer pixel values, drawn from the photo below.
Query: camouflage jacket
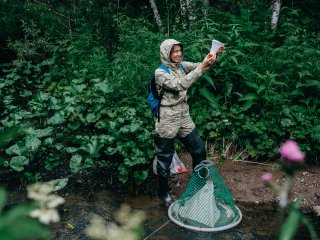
(179, 80)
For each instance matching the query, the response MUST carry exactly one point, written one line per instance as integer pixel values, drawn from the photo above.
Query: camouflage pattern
(175, 119)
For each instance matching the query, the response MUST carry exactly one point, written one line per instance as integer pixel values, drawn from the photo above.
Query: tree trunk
(187, 13)
(205, 8)
(275, 13)
(156, 13)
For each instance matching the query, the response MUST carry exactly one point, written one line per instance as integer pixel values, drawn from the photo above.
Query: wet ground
(260, 221)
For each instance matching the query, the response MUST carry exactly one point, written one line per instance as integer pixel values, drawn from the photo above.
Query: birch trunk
(205, 8)
(184, 14)
(156, 13)
(275, 13)
(187, 13)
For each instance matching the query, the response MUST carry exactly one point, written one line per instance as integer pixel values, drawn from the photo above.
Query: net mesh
(207, 204)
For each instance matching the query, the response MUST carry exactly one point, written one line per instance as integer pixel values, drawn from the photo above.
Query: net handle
(204, 164)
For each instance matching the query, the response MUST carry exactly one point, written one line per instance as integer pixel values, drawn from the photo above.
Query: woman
(175, 120)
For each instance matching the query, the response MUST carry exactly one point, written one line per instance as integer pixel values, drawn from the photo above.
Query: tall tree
(276, 5)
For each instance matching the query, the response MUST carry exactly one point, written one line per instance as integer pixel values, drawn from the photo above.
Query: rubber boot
(164, 148)
(163, 191)
(196, 146)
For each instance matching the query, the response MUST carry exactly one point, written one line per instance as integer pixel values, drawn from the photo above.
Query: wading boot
(196, 146)
(164, 148)
(163, 192)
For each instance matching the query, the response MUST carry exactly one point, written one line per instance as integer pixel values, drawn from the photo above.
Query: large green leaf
(76, 163)
(14, 149)
(59, 183)
(56, 119)
(32, 143)
(74, 125)
(91, 118)
(8, 134)
(18, 163)
(103, 87)
(78, 88)
(134, 127)
(39, 133)
(93, 147)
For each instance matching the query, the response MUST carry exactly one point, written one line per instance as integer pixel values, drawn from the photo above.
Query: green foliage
(263, 91)
(78, 84)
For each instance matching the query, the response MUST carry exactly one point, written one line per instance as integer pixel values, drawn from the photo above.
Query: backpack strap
(164, 67)
(182, 67)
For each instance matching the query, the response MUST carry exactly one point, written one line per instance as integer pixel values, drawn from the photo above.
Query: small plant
(293, 161)
(47, 201)
(128, 225)
(28, 221)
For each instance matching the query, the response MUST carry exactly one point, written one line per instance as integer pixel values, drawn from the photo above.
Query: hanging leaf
(209, 80)
(235, 60)
(247, 105)
(249, 96)
(209, 96)
(313, 83)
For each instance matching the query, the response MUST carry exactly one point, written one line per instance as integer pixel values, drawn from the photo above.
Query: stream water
(260, 221)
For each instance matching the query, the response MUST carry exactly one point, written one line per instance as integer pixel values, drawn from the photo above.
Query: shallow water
(260, 221)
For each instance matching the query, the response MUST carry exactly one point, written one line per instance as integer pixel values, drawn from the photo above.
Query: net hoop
(209, 229)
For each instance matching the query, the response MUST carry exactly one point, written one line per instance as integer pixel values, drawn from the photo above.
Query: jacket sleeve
(190, 66)
(178, 83)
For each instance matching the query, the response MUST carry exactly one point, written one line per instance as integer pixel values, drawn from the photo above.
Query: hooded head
(165, 50)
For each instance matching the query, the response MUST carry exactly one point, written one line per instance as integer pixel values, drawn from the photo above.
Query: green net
(207, 204)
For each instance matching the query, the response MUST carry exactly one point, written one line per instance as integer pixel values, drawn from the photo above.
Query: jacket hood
(165, 49)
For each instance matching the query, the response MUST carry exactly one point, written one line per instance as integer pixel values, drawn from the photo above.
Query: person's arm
(171, 82)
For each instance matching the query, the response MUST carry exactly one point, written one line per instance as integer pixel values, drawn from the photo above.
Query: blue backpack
(154, 97)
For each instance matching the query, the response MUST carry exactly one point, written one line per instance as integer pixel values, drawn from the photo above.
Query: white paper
(215, 46)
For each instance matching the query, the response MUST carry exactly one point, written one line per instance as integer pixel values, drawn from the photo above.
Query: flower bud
(267, 177)
(291, 152)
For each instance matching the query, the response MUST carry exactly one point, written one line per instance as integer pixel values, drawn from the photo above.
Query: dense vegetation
(73, 74)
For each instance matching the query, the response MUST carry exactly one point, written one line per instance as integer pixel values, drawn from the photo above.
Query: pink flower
(291, 152)
(267, 177)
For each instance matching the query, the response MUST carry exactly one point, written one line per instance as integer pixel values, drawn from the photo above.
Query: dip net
(207, 204)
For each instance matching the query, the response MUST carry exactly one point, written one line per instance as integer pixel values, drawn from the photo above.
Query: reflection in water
(259, 220)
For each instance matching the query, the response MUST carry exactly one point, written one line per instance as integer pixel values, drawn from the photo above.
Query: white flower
(54, 201)
(45, 215)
